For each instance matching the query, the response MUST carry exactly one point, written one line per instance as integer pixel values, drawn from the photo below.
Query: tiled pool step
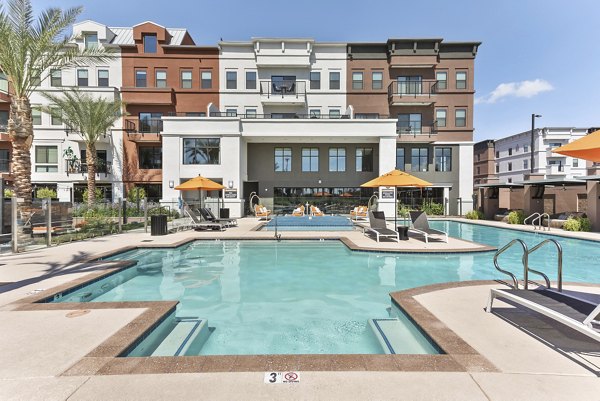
(185, 334)
(396, 337)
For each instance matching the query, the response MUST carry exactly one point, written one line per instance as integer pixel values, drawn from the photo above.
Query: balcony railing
(417, 132)
(412, 91)
(278, 116)
(283, 91)
(556, 169)
(144, 126)
(81, 167)
(4, 165)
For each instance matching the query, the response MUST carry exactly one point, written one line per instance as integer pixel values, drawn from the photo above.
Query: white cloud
(524, 89)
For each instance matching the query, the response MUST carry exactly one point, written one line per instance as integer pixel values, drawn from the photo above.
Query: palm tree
(29, 47)
(90, 117)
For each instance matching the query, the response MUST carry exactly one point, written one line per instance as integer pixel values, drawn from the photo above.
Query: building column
(530, 204)
(593, 204)
(170, 169)
(387, 163)
(465, 177)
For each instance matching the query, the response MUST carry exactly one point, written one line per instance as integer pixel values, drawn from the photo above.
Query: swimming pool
(309, 223)
(311, 297)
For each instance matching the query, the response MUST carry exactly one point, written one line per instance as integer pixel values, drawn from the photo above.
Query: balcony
(557, 169)
(81, 167)
(412, 93)
(426, 133)
(148, 96)
(285, 93)
(145, 130)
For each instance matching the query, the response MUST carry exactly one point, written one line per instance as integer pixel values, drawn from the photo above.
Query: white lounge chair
(379, 227)
(576, 313)
(420, 225)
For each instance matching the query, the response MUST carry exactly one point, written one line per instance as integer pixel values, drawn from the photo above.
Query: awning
(554, 182)
(506, 185)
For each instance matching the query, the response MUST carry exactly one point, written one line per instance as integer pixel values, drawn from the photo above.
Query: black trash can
(402, 233)
(224, 213)
(158, 224)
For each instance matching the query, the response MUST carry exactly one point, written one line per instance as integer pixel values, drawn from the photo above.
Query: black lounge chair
(208, 215)
(379, 227)
(197, 223)
(420, 225)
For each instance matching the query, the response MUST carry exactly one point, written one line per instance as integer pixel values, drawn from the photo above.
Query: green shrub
(97, 191)
(572, 224)
(432, 208)
(474, 215)
(8, 193)
(45, 192)
(135, 194)
(403, 210)
(516, 217)
(585, 224)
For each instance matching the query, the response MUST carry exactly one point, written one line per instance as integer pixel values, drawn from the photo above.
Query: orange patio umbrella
(396, 178)
(198, 184)
(587, 148)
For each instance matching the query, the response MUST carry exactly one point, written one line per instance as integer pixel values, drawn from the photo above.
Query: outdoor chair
(197, 223)
(420, 225)
(359, 212)
(208, 215)
(378, 227)
(299, 211)
(315, 211)
(262, 212)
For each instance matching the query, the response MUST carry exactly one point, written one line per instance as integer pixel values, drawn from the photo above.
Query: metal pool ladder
(525, 261)
(539, 218)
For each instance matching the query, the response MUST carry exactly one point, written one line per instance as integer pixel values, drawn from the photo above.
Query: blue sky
(537, 56)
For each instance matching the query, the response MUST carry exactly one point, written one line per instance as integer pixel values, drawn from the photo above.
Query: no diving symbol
(291, 376)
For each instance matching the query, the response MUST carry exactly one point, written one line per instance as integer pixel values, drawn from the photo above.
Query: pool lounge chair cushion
(379, 227)
(420, 225)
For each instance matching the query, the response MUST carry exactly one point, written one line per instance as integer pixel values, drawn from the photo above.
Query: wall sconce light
(230, 184)
(171, 183)
(266, 189)
(319, 181)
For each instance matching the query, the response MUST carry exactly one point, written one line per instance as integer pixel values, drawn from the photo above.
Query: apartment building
(58, 154)
(5, 146)
(164, 73)
(484, 163)
(513, 155)
(427, 87)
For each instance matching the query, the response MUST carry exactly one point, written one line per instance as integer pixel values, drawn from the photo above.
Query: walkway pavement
(37, 346)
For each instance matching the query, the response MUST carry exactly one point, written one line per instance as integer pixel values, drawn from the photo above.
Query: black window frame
(443, 159)
(83, 81)
(334, 84)
(192, 160)
(421, 156)
(204, 82)
(230, 83)
(147, 44)
(101, 81)
(358, 84)
(315, 80)
(138, 80)
(86, 43)
(154, 163)
(56, 77)
(379, 81)
(284, 152)
(248, 81)
(364, 161)
(46, 166)
(456, 118)
(182, 81)
(442, 83)
(461, 83)
(401, 166)
(311, 157)
(163, 81)
(444, 119)
(337, 157)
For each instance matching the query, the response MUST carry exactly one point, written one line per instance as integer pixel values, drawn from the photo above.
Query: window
(478, 170)
(357, 80)
(46, 159)
(140, 79)
(231, 112)
(478, 157)
(442, 79)
(101, 161)
(283, 159)
(575, 162)
(461, 118)
(3, 119)
(517, 148)
(90, 40)
(4, 160)
(497, 154)
(195, 114)
(55, 78)
(315, 80)
(337, 159)
(497, 168)
(161, 79)
(553, 145)
(400, 161)
(377, 80)
(364, 159)
(201, 150)
(36, 78)
(443, 159)
(150, 157)
(440, 117)
(150, 122)
(149, 42)
(419, 157)
(510, 151)
(3, 83)
(36, 115)
(334, 80)
(525, 164)
(409, 123)
(525, 148)
(250, 80)
(102, 77)
(509, 166)
(334, 113)
(82, 78)
(250, 113)
(310, 160)
(231, 80)
(461, 80)
(186, 79)
(366, 116)
(409, 85)
(315, 113)
(206, 79)
(55, 116)
(510, 180)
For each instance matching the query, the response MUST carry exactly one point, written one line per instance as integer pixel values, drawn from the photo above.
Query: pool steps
(389, 334)
(186, 333)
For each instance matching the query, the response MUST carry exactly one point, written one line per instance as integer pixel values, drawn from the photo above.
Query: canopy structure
(199, 183)
(396, 178)
(587, 148)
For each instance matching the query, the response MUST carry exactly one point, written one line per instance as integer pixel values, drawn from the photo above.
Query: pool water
(313, 297)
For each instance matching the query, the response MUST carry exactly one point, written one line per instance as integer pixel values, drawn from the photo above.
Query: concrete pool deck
(565, 366)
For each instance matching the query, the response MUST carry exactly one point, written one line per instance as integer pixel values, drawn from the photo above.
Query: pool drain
(77, 313)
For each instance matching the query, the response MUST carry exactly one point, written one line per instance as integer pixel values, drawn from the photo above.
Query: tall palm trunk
(91, 168)
(20, 128)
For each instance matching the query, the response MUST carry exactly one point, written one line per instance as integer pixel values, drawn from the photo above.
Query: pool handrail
(559, 262)
(524, 259)
(540, 220)
(532, 215)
